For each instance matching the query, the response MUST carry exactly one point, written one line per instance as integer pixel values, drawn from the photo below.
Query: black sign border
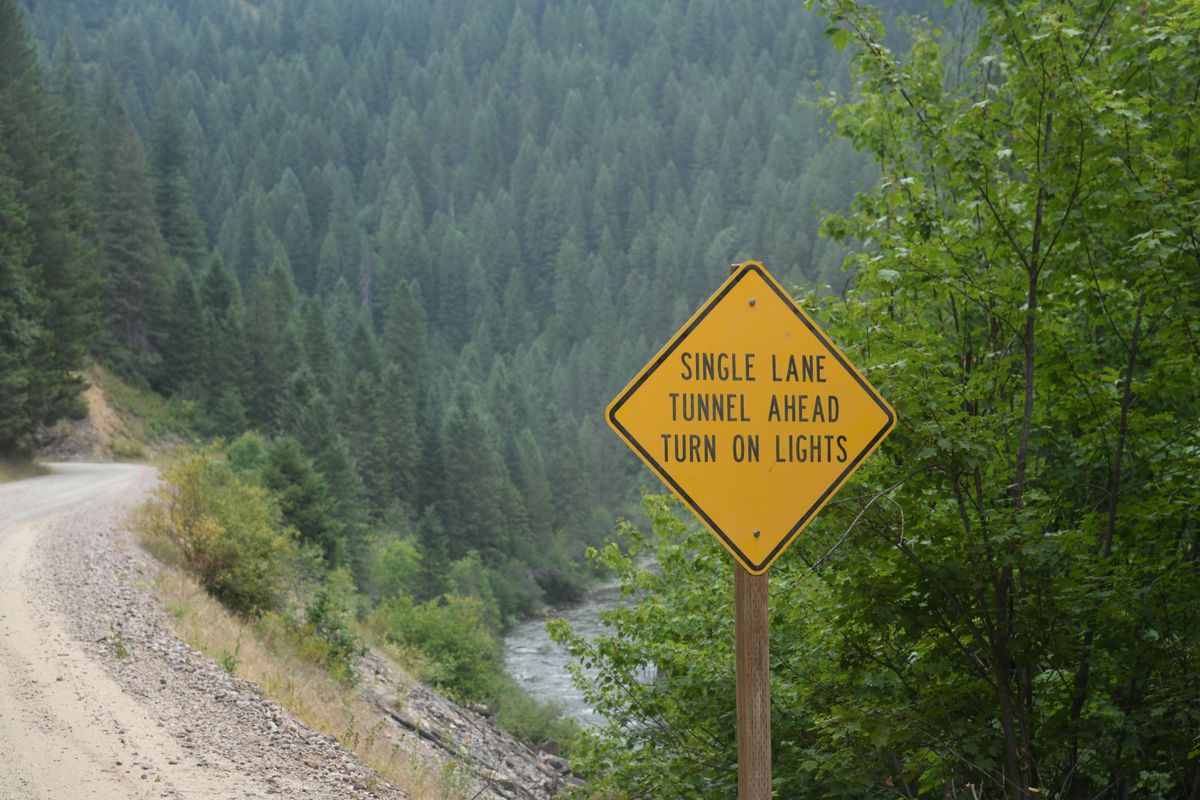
(674, 345)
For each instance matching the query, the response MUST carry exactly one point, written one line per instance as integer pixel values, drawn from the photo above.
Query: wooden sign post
(751, 632)
(754, 419)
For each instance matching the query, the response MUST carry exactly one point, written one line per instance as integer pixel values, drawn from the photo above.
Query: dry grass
(20, 470)
(133, 424)
(267, 652)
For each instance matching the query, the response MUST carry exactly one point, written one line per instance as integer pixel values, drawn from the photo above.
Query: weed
(116, 640)
(277, 652)
(229, 661)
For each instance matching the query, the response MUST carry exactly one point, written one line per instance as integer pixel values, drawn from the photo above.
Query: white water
(540, 666)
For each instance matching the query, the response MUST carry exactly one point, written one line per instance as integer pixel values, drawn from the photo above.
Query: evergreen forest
(389, 259)
(425, 241)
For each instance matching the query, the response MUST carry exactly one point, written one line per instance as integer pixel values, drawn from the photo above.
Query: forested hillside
(396, 255)
(427, 241)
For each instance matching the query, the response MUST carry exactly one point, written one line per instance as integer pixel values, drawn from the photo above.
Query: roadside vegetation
(292, 665)
(14, 470)
(229, 528)
(146, 423)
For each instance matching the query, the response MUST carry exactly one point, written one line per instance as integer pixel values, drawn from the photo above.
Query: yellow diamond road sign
(752, 416)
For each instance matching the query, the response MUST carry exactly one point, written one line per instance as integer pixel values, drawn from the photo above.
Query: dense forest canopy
(428, 241)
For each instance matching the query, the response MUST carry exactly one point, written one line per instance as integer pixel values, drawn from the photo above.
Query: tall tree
(133, 261)
(19, 315)
(169, 156)
(183, 346)
(43, 165)
(272, 348)
(225, 373)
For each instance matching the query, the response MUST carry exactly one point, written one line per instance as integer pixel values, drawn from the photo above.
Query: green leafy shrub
(229, 532)
(465, 657)
(533, 721)
(247, 454)
(396, 568)
(507, 591)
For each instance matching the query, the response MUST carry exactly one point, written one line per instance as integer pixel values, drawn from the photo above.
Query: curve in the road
(67, 729)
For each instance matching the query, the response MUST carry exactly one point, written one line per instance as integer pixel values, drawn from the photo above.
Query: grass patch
(20, 470)
(276, 654)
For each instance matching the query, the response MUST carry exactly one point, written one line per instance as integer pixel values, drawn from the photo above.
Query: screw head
(757, 534)
(753, 301)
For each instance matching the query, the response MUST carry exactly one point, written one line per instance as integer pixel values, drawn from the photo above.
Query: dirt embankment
(105, 433)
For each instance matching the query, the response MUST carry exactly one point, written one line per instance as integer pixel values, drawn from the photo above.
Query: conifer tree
(475, 484)
(400, 436)
(183, 344)
(270, 352)
(169, 155)
(225, 374)
(133, 261)
(19, 325)
(43, 165)
(308, 416)
(305, 499)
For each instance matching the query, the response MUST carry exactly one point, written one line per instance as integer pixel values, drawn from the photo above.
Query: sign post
(754, 419)
(753, 684)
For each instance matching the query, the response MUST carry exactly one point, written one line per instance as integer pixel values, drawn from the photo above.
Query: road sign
(752, 416)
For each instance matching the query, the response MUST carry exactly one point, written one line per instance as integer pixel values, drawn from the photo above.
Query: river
(540, 666)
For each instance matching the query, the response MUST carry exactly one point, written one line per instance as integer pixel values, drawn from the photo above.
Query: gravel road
(78, 722)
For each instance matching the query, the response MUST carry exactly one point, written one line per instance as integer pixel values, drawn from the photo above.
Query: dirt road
(68, 730)
(100, 700)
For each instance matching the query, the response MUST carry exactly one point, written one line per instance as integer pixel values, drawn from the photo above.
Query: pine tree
(308, 416)
(271, 354)
(182, 348)
(365, 424)
(400, 437)
(305, 499)
(19, 325)
(225, 374)
(404, 336)
(169, 156)
(475, 484)
(43, 162)
(133, 262)
(319, 348)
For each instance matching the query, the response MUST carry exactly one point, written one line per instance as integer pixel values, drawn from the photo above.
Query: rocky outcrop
(505, 766)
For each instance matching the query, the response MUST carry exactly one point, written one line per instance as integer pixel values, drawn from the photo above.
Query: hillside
(429, 241)
(391, 258)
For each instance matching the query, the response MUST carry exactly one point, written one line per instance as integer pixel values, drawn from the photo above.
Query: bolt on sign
(752, 416)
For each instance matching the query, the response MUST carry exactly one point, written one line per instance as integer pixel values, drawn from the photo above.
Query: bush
(230, 533)
(508, 590)
(247, 454)
(465, 656)
(533, 721)
(395, 568)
